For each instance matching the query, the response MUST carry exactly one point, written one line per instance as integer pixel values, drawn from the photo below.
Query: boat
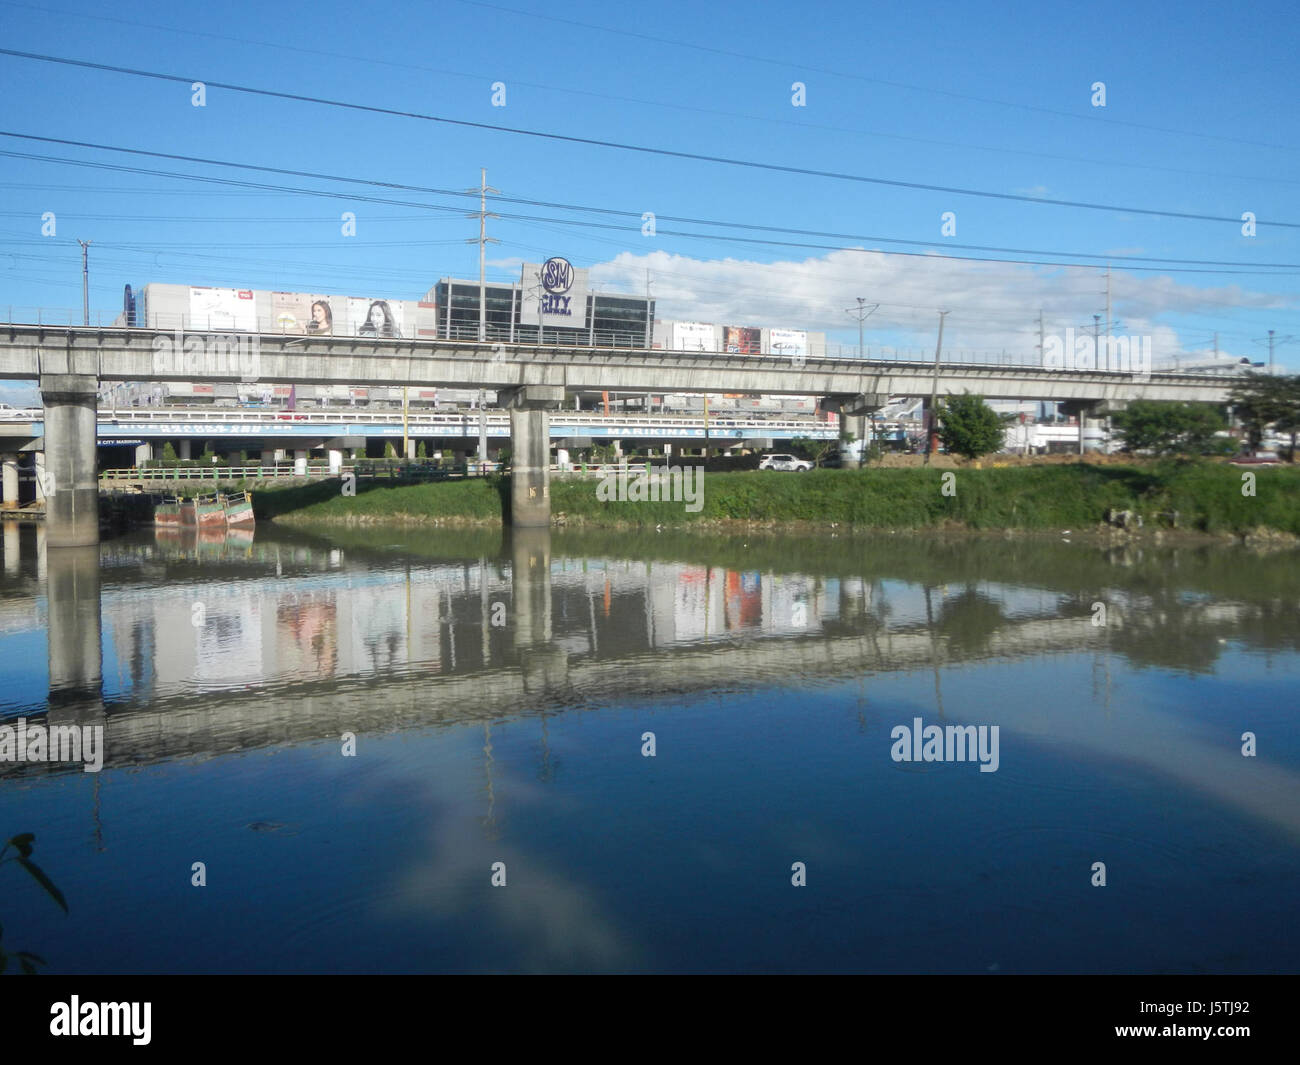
(203, 511)
(239, 510)
(167, 512)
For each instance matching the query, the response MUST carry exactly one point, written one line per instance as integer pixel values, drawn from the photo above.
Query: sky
(993, 104)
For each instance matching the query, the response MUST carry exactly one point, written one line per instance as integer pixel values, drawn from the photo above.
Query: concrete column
(857, 425)
(853, 411)
(185, 450)
(75, 648)
(543, 665)
(336, 460)
(300, 462)
(143, 453)
(72, 503)
(530, 451)
(9, 482)
(12, 547)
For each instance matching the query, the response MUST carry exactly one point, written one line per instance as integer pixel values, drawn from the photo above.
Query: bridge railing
(379, 470)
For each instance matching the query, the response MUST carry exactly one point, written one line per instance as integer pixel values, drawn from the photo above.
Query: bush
(971, 427)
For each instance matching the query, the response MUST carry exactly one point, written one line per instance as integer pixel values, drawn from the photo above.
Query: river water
(463, 751)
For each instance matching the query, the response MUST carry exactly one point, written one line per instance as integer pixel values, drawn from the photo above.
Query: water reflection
(521, 670)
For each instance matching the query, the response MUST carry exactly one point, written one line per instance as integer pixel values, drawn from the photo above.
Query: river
(396, 750)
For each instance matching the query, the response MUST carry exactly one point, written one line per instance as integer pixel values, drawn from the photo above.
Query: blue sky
(1199, 118)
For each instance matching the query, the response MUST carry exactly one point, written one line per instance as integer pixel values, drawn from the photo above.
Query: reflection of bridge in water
(329, 648)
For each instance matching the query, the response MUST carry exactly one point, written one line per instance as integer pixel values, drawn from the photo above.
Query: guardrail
(773, 420)
(283, 471)
(525, 334)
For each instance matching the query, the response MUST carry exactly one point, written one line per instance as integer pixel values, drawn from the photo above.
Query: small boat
(203, 511)
(239, 510)
(167, 512)
(210, 512)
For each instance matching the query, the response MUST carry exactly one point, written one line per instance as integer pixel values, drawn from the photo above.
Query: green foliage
(1268, 399)
(970, 427)
(1170, 428)
(421, 451)
(169, 453)
(390, 452)
(813, 450)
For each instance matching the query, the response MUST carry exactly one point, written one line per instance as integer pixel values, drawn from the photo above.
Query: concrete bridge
(531, 381)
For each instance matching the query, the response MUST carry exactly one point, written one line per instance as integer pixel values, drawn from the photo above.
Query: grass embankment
(1207, 496)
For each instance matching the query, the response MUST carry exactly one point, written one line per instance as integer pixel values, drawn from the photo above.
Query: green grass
(1207, 496)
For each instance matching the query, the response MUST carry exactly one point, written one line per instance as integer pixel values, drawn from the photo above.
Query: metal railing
(379, 469)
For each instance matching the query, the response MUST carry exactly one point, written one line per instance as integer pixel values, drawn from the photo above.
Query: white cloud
(993, 306)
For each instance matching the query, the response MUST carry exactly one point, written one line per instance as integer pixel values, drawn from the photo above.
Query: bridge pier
(9, 482)
(543, 665)
(854, 411)
(75, 642)
(70, 486)
(530, 452)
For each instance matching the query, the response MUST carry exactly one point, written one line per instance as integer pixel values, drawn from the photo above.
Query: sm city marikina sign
(556, 292)
(557, 279)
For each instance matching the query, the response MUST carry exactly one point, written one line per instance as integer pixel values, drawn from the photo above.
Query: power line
(1175, 266)
(788, 63)
(803, 124)
(643, 149)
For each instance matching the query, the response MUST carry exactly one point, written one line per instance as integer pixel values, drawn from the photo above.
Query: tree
(970, 427)
(169, 453)
(390, 452)
(814, 450)
(1169, 428)
(1262, 400)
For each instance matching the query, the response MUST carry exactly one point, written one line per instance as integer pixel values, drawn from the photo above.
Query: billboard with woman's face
(374, 318)
(302, 314)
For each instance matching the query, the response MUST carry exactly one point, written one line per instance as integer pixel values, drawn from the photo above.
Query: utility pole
(1271, 340)
(1108, 320)
(483, 240)
(861, 313)
(931, 420)
(85, 283)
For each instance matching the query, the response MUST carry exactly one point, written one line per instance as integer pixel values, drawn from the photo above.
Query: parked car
(784, 462)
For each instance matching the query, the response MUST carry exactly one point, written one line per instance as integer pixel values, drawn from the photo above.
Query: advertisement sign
(558, 291)
(693, 336)
(302, 314)
(221, 310)
(374, 318)
(738, 340)
(788, 341)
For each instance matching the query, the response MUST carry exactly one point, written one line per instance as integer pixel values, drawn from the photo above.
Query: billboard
(738, 340)
(374, 318)
(558, 291)
(693, 336)
(221, 310)
(788, 341)
(302, 314)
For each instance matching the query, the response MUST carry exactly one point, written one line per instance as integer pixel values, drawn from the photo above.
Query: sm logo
(557, 276)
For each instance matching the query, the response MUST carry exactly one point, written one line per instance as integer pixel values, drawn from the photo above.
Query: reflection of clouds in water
(552, 922)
